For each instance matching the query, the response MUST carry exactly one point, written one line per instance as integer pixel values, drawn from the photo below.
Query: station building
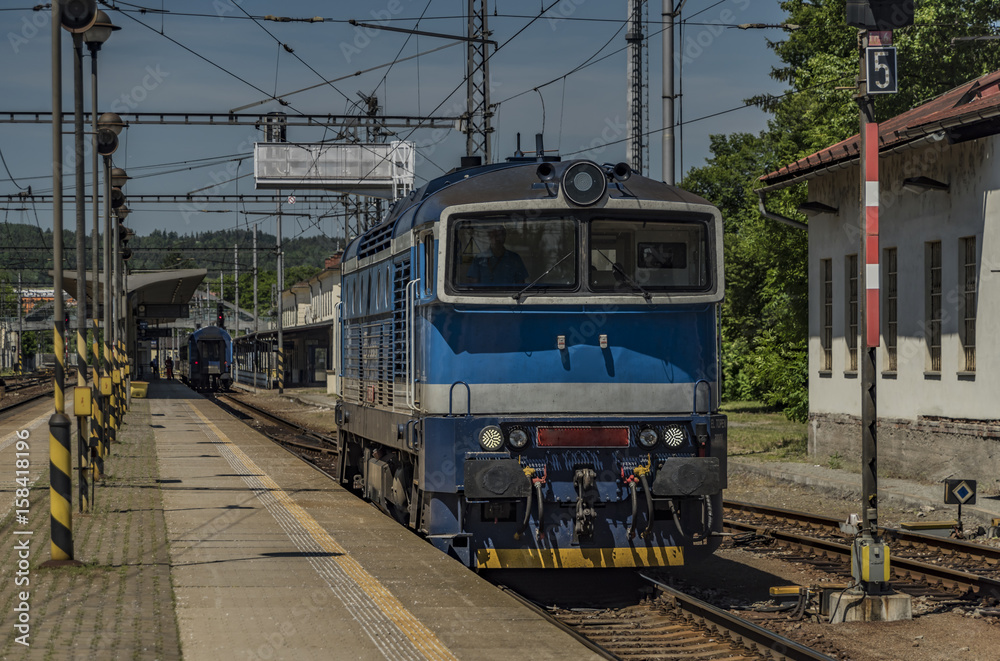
(308, 316)
(939, 274)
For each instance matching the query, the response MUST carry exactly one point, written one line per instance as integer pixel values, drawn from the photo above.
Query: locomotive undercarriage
(500, 503)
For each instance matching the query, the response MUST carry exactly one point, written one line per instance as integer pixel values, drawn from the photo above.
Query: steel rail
(988, 553)
(901, 567)
(767, 642)
(22, 402)
(327, 444)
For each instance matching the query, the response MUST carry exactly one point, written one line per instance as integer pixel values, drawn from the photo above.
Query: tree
(766, 279)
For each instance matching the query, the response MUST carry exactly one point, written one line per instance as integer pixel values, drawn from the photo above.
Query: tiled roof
(969, 111)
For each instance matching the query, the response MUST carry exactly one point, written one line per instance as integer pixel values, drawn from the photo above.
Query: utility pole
(236, 283)
(280, 287)
(668, 90)
(871, 599)
(256, 326)
(20, 327)
(634, 37)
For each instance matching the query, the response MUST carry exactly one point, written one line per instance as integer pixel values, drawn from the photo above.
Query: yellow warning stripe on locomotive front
(576, 558)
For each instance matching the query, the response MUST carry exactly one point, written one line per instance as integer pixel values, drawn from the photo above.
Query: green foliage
(29, 344)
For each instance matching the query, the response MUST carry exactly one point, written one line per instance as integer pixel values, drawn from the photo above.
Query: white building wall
(907, 222)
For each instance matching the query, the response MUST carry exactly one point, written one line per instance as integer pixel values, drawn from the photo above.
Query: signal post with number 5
(872, 599)
(880, 64)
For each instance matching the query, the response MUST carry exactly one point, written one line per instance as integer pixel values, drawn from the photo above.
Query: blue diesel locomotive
(529, 356)
(206, 358)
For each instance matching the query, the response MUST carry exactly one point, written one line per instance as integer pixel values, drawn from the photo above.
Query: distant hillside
(28, 249)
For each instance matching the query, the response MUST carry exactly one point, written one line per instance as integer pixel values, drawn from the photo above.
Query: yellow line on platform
(423, 638)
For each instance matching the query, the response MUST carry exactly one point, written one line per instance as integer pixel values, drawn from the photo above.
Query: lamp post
(95, 38)
(109, 125)
(121, 211)
(77, 16)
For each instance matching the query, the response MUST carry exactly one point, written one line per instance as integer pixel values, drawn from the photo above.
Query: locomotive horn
(546, 171)
(621, 171)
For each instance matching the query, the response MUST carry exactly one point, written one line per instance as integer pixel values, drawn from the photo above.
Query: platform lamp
(106, 130)
(95, 37)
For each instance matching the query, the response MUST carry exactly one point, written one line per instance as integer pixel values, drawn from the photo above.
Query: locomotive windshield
(506, 254)
(648, 256)
(543, 255)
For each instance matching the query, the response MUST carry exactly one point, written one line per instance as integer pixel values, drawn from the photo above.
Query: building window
(852, 313)
(826, 334)
(933, 251)
(967, 258)
(889, 313)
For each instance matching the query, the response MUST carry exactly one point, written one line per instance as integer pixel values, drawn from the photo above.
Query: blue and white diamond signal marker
(959, 492)
(963, 492)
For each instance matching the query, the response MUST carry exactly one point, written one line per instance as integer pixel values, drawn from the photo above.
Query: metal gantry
(478, 116)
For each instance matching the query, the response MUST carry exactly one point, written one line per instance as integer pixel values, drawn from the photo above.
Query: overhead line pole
(667, 145)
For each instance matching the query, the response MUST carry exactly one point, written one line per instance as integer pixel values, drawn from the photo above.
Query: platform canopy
(157, 296)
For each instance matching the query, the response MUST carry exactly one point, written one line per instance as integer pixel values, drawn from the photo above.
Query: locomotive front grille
(582, 437)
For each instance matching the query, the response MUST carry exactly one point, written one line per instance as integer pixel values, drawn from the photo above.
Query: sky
(210, 56)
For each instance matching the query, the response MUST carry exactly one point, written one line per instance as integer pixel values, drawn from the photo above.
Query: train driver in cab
(497, 265)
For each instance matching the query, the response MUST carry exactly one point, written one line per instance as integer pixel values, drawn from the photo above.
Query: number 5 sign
(881, 65)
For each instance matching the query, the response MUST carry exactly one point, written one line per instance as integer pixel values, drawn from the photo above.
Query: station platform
(207, 541)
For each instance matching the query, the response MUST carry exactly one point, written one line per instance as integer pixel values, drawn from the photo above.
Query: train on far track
(529, 366)
(206, 359)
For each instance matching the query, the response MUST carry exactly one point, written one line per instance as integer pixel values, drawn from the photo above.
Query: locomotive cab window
(648, 255)
(490, 254)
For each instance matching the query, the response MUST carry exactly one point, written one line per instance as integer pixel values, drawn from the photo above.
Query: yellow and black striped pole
(97, 421)
(60, 460)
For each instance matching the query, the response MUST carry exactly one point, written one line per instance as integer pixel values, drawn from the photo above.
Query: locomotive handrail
(411, 395)
(468, 398)
(338, 311)
(694, 405)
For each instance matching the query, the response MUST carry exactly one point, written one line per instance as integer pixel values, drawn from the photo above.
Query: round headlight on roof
(648, 437)
(674, 435)
(491, 438)
(584, 183)
(518, 439)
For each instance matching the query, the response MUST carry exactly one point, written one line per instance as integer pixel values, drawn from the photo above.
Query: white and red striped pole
(870, 234)
(869, 305)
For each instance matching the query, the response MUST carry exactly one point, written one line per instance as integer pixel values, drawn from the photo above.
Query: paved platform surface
(207, 541)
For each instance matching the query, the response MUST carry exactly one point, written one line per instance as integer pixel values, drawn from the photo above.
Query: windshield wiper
(626, 278)
(517, 296)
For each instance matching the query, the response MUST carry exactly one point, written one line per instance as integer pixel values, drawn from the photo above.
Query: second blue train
(206, 359)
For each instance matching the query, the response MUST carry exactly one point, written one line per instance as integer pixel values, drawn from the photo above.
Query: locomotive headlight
(674, 435)
(518, 438)
(648, 437)
(584, 183)
(491, 438)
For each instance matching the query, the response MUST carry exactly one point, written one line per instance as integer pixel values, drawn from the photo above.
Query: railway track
(18, 391)
(922, 565)
(674, 625)
(288, 433)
